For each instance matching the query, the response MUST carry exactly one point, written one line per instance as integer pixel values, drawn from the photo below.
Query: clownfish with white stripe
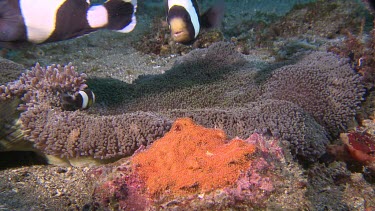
(185, 21)
(43, 21)
(80, 100)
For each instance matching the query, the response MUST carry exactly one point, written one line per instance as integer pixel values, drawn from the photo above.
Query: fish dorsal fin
(213, 16)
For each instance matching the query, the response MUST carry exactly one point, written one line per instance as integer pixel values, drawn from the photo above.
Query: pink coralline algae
(253, 184)
(121, 193)
(121, 187)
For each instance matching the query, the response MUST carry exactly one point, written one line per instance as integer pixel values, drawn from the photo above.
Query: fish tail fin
(121, 15)
(213, 16)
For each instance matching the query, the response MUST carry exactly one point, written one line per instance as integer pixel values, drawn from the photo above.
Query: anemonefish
(185, 22)
(80, 100)
(43, 21)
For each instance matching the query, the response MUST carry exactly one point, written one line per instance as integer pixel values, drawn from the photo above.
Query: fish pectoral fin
(121, 15)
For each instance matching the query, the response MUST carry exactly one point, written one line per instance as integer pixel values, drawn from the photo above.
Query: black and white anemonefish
(43, 21)
(185, 22)
(81, 100)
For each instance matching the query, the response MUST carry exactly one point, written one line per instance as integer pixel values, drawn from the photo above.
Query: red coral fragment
(359, 146)
(363, 142)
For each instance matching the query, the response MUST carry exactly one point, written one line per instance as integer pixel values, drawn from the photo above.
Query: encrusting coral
(191, 158)
(190, 166)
